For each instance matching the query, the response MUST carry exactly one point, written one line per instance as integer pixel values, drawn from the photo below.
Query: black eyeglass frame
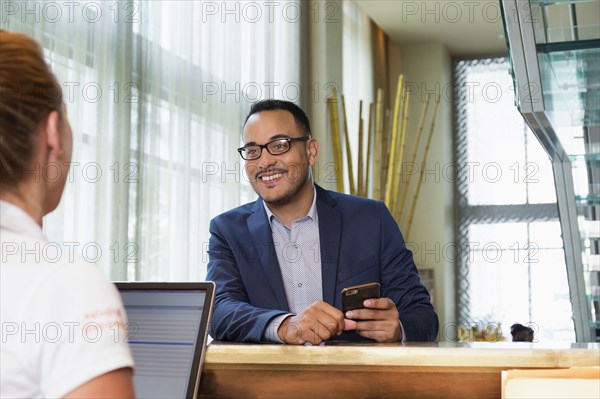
(266, 146)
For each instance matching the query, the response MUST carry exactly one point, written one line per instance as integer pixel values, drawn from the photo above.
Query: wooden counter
(376, 370)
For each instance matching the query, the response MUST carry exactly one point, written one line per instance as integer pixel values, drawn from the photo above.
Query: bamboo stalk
(406, 184)
(369, 147)
(385, 149)
(393, 145)
(419, 183)
(400, 166)
(360, 183)
(335, 139)
(378, 142)
(348, 149)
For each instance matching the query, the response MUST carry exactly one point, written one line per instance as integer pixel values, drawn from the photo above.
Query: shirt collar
(15, 219)
(312, 212)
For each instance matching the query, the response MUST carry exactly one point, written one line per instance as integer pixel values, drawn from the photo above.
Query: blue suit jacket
(360, 243)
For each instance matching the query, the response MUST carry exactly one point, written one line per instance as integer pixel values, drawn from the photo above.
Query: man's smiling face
(278, 179)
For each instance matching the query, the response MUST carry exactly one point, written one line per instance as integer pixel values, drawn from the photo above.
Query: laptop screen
(167, 329)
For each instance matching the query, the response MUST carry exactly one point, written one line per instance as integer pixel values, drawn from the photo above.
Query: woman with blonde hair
(63, 324)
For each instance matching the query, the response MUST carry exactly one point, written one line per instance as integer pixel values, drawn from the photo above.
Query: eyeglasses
(275, 147)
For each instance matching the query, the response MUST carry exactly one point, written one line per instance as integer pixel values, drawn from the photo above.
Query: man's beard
(295, 187)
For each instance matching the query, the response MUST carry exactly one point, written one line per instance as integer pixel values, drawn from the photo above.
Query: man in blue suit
(281, 262)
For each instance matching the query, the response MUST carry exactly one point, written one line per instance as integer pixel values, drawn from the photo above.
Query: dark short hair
(520, 332)
(273, 105)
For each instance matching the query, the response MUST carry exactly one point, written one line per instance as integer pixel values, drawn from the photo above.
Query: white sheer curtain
(156, 93)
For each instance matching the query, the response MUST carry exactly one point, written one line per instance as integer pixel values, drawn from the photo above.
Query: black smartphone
(353, 297)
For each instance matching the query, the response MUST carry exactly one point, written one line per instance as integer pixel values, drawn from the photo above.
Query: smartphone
(353, 297)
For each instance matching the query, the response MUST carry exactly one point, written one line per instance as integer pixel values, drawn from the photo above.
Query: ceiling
(466, 28)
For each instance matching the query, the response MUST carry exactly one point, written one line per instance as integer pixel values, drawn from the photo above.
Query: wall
(323, 55)
(428, 68)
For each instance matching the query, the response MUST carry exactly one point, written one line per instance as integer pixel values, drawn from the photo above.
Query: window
(511, 262)
(156, 94)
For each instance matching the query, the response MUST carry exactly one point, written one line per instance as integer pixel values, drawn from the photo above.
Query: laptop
(167, 329)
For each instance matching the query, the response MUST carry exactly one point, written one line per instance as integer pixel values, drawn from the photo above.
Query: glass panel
(496, 149)
(571, 90)
(500, 255)
(589, 228)
(518, 275)
(499, 292)
(500, 170)
(550, 301)
(565, 20)
(546, 235)
(497, 235)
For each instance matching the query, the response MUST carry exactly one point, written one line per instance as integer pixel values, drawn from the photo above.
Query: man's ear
(51, 130)
(313, 151)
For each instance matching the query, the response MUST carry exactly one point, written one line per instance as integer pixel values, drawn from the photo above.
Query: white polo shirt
(62, 322)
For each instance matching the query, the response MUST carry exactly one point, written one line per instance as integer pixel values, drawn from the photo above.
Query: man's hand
(380, 321)
(317, 323)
